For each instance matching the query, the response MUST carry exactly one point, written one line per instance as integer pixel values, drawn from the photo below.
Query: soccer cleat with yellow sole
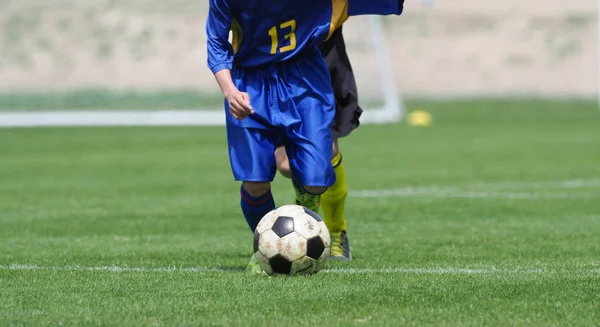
(340, 247)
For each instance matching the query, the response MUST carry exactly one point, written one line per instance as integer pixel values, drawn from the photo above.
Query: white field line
(351, 271)
(174, 117)
(542, 190)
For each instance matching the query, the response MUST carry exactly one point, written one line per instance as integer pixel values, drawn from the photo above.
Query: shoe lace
(336, 246)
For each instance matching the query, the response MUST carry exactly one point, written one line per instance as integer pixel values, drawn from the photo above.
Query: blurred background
(77, 54)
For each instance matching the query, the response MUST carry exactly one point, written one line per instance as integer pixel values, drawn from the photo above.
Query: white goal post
(391, 111)
(598, 52)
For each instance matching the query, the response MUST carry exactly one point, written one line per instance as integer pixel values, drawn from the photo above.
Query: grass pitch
(489, 217)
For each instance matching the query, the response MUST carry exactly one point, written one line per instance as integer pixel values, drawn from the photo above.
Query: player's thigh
(251, 153)
(283, 164)
(307, 119)
(280, 155)
(310, 143)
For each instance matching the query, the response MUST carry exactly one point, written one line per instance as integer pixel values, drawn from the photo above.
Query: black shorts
(344, 85)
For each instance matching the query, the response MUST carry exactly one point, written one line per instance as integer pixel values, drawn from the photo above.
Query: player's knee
(315, 190)
(256, 189)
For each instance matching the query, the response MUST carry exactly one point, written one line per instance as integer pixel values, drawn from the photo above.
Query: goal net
(142, 62)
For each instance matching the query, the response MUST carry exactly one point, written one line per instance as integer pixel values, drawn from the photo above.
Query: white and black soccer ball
(291, 240)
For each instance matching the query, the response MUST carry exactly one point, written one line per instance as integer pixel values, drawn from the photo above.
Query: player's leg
(283, 166)
(346, 120)
(333, 200)
(248, 149)
(308, 135)
(251, 163)
(252, 142)
(309, 151)
(333, 203)
(256, 201)
(302, 198)
(311, 175)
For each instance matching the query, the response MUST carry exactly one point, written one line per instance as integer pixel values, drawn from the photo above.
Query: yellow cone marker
(420, 118)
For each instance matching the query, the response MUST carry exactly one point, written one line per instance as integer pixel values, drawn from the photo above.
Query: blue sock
(254, 208)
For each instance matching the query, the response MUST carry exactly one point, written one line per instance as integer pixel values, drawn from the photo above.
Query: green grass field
(491, 217)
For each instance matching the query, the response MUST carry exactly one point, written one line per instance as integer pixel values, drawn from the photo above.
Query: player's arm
(375, 7)
(220, 57)
(342, 10)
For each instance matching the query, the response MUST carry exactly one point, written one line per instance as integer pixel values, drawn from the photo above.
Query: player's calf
(256, 201)
(333, 203)
(308, 196)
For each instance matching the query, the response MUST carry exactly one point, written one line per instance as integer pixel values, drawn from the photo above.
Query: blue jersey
(271, 31)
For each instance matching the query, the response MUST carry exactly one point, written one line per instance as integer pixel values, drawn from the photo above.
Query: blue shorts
(293, 105)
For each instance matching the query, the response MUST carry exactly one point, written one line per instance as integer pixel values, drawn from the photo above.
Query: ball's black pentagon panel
(280, 265)
(256, 238)
(315, 247)
(283, 226)
(313, 214)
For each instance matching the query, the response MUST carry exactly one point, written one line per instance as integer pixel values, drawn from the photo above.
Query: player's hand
(239, 104)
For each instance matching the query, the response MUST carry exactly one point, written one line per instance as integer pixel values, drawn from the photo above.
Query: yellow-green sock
(307, 200)
(333, 201)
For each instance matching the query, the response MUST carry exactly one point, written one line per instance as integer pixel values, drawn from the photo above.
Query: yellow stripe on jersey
(238, 35)
(339, 15)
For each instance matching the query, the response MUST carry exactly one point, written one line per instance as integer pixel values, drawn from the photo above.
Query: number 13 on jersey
(289, 28)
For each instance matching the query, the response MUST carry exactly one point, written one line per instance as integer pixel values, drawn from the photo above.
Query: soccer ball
(291, 240)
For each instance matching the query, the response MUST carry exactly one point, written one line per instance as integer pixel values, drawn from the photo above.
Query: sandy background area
(449, 48)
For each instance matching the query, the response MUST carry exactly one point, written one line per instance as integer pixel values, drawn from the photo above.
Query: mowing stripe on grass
(391, 270)
(562, 190)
